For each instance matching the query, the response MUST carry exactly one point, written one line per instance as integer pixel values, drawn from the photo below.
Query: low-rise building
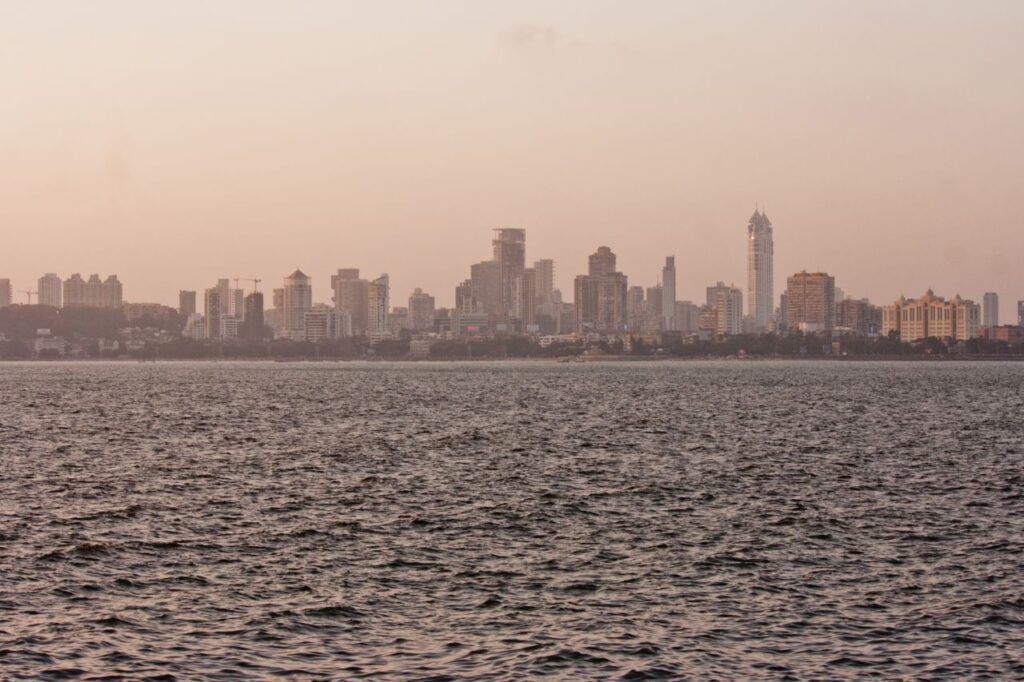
(932, 316)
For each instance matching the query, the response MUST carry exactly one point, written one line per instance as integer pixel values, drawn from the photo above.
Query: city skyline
(760, 254)
(654, 132)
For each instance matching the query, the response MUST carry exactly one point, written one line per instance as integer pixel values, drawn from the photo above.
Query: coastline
(565, 360)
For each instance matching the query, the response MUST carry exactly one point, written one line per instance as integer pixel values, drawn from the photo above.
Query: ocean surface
(511, 520)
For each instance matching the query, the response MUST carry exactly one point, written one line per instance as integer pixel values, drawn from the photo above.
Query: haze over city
(174, 144)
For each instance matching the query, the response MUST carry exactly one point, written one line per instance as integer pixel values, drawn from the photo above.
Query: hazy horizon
(174, 144)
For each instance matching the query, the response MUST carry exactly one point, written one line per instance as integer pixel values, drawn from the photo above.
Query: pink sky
(177, 142)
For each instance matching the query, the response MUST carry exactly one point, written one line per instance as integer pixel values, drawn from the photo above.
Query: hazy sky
(177, 142)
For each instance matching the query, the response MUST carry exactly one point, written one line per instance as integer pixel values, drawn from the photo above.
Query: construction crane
(255, 282)
(30, 294)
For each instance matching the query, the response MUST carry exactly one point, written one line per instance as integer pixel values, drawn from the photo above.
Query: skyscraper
(1020, 313)
(727, 302)
(5, 292)
(111, 293)
(635, 308)
(350, 297)
(600, 296)
(668, 294)
(525, 298)
(510, 255)
(485, 281)
(601, 262)
(298, 299)
(545, 269)
(186, 303)
(810, 302)
(760, 271)
(421, 311)
(50, 290)
(94, 292)
(377, 308)
(213, 312)
(252, 322)
(989, 310)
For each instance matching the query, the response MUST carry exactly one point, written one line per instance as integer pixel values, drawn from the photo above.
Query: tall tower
(298, 300)
(545, 269)
(50, 290)
(668, 294)
(377, 308)
(212, 308)
(989, 311)
(760, 270)
(510, 255)
(186, 303)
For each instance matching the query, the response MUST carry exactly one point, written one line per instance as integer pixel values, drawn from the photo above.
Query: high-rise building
(94, 291)
(398, 321)
(320, 323)
(229, 326)
(510, 255)
(932, 316)
(5, 292)
(810, 302)
(601, 262)
(545, 270)
(485, 281)
(377, 308)
(1020, 313)
(351, 296)
(525, 299)
(212, 313)
(111, 293)
(298, 299)
(186, 303)
(252, 319)
(635, 308)
(687, 317)
(989, 310)
(727, 302)
(274, 317)
(668, 294)
(50, 290)
(74, 291)
(237, 303)
(421, 311)
(600, 301)
(858, 316)
(760, 271)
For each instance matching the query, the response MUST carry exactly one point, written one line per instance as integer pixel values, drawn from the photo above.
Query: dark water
(511, 521)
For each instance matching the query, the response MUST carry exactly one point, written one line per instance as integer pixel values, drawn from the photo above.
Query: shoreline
(565, 360)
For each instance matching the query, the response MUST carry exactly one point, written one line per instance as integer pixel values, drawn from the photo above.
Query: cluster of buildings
(75, 291)
(506, 295)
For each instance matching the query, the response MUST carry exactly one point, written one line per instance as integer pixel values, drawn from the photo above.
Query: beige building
(50, 290)
(727, 302)
(298, 300)
(600, 296)
(932, 316)
(377, 308)
(351, 296)
(421, 311)
(810, 302)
